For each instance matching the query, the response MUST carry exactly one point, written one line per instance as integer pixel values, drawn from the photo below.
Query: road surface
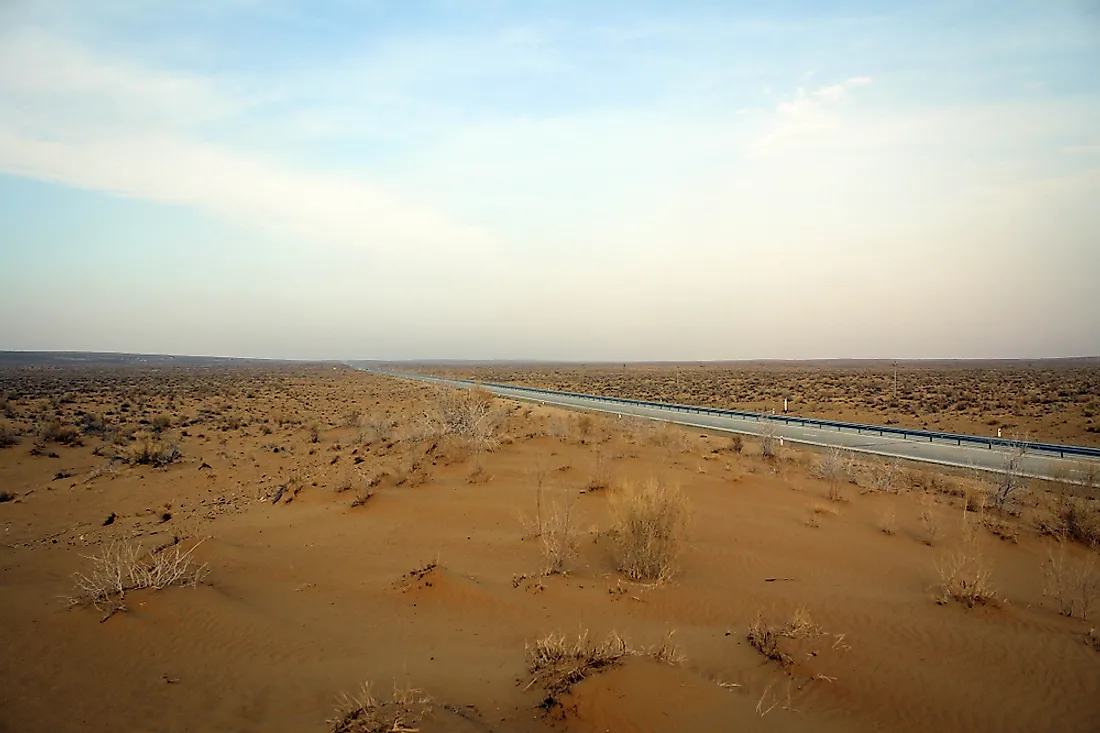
(995, 459)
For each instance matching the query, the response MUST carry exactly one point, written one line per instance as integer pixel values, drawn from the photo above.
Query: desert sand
(349, 536)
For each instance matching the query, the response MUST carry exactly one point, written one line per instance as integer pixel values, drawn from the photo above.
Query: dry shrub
(558, 537)
(377, 429)
(556, 664)
(1092, 638)
(1079, 519)
(1010, 479)
(150, 451)
(964, 574)
(928, 522)
(769, 439)
(885, 475)
(120, 568)
(836, 466)
(364, 713)
(1072, 586)
(466, 413)
(57, 432)
(601, 474)
(649, 522)
(887, 521)
(8, 437)
(764, 637)
(363, 494)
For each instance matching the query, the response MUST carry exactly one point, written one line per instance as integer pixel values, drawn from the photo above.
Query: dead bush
(466, 413)
(1073, 586)
(362, 712)
(57, 432)
(1010, 480)
(835, 466)
(649, 522)
(149, 451)
(377, 429)
(556, 664)
(121, 568)
(160, 423)
(1079, 519)
(964, 574)
(601, 474)
(928, 522)
(885, 475)
(764, 637)
(769, 439)
(887, 521)
(8, 437)
(558, 538)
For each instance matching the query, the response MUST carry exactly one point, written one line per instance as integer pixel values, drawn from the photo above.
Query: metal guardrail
(882, 430)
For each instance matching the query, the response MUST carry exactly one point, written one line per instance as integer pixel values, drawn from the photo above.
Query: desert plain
(316, 548)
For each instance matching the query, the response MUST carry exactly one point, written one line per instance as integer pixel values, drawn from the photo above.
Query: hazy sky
(561, 180)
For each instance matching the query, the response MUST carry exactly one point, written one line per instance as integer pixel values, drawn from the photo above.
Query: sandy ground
(309, 597)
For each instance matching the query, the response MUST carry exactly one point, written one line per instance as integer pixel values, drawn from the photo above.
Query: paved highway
(862, 441)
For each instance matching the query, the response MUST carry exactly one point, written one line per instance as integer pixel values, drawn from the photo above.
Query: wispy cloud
(103, 124)
(808, 116)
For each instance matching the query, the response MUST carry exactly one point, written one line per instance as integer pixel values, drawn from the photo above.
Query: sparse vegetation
(964, 574)
(120, 568)
(8, 437)
(887, 522)
(769, 439)
(929, 524)
(649, 523)
(57, 432)
(558, 538)
(556, 664)
(362, 712)
(1011, 480)
(765, 637)
(1073, 586)
(150, 451)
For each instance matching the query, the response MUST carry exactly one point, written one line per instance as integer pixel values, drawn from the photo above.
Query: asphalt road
(943, 453)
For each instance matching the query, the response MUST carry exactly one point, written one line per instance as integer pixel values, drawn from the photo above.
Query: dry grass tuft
(150, 451)
(364, 713)
(1074, 587)
(8, 437)
(558, 537)
(964, 574)
(1079, 519)
(886, 475)
(928, 523)
(769, 439)
(56, 432)
(649, 522)
(121, 568)
(556, 664)
(887, 521)
(765, 637)
(836, 466)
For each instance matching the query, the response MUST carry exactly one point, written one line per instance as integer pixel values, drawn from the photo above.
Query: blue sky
(551, 180)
